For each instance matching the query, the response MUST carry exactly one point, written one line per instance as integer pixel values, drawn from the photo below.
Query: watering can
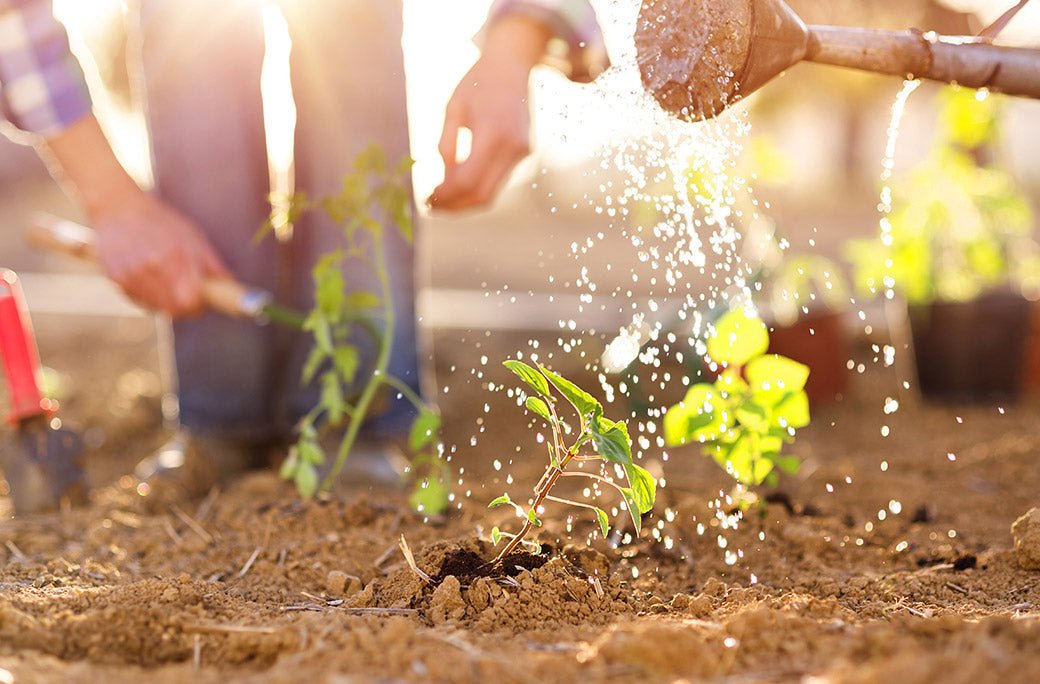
(697, 57)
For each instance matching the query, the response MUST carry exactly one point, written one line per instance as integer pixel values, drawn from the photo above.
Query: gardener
(238, 384)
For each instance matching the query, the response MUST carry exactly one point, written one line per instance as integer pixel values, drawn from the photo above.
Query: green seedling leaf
(332, 397)
(306, 478)
(371, 160)
(310, 452)
(362, 299)
(603, 520)
(503, 500)
(533, 378)
(752, 416)
(496, 535)
(743, 460)
(537, 406)
(583, 402)
(611, 440)
(700, 417)
(319, 326)
(773, 372)
(792, 411)
(643, 487)
(288, 469)
(329, 286)
(737, 339)
(633, 509)
(789, 464)
(424, 430)
(533, 517)
(310, 368)
(430, 496)
(347, 360)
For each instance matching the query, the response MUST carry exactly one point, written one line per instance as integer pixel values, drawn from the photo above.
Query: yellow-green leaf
(737, 338)
(775, 372)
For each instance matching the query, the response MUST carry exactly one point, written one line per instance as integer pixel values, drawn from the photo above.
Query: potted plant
(958, 248)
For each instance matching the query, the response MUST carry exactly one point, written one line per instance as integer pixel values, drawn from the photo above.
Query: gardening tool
(697, 57)
(42, 464)
(224, 295)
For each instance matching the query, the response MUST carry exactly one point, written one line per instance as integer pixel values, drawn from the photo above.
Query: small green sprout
(372, 192)
(597, 439)
(754, 407)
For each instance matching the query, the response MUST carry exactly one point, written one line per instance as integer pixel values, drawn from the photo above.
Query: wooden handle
(225, 295)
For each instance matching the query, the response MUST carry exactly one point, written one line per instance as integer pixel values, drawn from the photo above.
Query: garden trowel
(42, 461)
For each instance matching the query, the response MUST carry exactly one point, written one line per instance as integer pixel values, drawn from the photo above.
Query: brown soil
(252, 584)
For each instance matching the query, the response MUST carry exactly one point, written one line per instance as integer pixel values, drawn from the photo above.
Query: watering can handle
(225, 295)
(994, 29)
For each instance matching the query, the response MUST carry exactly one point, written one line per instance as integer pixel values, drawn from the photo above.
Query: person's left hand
(490, 101)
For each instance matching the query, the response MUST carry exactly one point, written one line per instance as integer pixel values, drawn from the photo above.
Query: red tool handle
(18, 348)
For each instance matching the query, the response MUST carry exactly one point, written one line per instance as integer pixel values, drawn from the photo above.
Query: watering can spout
(697, 57)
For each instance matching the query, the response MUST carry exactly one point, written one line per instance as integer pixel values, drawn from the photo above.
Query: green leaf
(793, 411)
(430, 496)
(643, 487)
(743, 459)
(583, 402)
(503, 500)
(700, 417)
(533, 517)
(310, 452)
(536, 405)
(424, 430)
(319, 326)
(611, 440)
(496, 535)
(775, 372)
(603, 520)
(329, 286)
(371, 160)
(346, 359)
(737, 338)
(306, 478)
(752, 416)
(533, 378)
(789, 464)
(362, 299)
(633, 509)
(314, 360)
(288, 469)
(332, 397)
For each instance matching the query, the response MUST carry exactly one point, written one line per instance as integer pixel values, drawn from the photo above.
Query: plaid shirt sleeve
(42, 89)
(579, 50)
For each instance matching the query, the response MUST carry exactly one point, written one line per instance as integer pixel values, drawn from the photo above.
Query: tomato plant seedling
(744, 419)
(596, 439)
(371, 192)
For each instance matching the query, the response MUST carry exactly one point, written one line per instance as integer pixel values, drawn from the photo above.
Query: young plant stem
(549, 479)
(379, 373)
(406, 391)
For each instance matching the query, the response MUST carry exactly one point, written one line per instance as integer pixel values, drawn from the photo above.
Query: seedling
(754, 407)
(958, 227)
(349, 390)
(596, 439)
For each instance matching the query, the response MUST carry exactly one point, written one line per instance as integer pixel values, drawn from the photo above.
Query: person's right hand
(156, 255)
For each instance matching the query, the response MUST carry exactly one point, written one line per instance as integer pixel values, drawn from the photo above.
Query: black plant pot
(972, 351)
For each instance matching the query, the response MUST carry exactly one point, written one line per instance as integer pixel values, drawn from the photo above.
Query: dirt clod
(1026, 533)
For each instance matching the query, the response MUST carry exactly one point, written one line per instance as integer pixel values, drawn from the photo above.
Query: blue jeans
(201, 64)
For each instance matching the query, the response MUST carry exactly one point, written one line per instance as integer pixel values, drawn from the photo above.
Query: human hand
(155, 254)
(158, 257)
(490, 101)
